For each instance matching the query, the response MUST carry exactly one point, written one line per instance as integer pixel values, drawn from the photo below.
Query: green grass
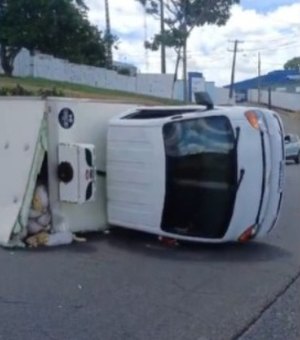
(83, 91)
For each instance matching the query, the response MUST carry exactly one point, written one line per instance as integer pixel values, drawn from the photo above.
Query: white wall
(156, 85)
(211, 90)
(252, 96)
(219, 95)
(178, 90)
(282, 100)
(222, 96)
(48, 67)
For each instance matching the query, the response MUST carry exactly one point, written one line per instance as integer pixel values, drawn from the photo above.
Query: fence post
(269, 97)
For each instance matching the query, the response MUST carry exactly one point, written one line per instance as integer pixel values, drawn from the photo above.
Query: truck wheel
(297, 158)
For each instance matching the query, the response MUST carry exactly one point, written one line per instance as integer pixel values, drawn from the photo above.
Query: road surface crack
(12, 302)
(268, 306)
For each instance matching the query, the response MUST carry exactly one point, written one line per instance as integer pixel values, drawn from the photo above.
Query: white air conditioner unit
(77, 172)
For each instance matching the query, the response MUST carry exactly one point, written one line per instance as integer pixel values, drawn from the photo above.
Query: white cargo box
(63, 141)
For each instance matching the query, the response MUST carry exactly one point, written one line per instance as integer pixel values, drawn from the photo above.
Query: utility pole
(146, 39)
(259, 79)
(162, 31)
(184, 57)
(235, 51)
(109, 56)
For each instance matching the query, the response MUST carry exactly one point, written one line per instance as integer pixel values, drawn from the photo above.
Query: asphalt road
(127, 286)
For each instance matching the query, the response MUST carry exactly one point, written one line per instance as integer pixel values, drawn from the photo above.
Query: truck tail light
(253, 119)
(247, 235)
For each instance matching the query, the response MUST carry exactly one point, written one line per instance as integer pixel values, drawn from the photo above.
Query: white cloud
(275, 34)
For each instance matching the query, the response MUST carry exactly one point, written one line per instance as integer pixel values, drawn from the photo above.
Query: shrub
(18, 90)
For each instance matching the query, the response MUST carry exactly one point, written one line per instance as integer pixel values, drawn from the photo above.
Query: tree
(57, 27)
(293, 64)
(81, 3)
(181, 17)
(7, 52)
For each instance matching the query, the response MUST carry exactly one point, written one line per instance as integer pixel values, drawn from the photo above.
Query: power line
(283, 46)
(275, 40)
(203, 54)
(218, 53)
(265, 63)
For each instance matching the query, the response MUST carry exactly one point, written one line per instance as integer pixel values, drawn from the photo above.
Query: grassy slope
(83, 91)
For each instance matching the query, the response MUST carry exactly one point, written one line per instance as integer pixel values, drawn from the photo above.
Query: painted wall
(211, 90)
(48, 67)
(197, 83)
(282, 100)
(222, 96)
(156, 85)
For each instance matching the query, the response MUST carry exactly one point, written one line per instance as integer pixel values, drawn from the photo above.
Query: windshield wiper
(237, 138)
(242, 174)
(242, 171)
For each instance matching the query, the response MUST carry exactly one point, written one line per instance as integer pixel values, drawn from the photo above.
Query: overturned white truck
(188, 172)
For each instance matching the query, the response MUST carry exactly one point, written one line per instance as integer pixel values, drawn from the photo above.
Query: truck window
(200, 176)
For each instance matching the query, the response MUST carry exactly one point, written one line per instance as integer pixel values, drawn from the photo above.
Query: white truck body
(106, 167)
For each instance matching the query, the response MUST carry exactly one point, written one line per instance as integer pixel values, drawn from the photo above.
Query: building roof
(274, 78)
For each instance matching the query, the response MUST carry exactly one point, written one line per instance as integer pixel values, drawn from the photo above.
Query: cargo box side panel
(39, 157)
(86, 122)
(20, 127)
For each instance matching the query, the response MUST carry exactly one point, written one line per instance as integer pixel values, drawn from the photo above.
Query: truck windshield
(201, 176)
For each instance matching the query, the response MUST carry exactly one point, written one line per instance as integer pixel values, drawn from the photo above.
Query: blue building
(289, 79)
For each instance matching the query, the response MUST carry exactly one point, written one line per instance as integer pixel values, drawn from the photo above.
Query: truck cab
(196, 174)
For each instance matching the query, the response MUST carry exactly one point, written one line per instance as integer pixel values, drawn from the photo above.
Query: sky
(271, 27)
